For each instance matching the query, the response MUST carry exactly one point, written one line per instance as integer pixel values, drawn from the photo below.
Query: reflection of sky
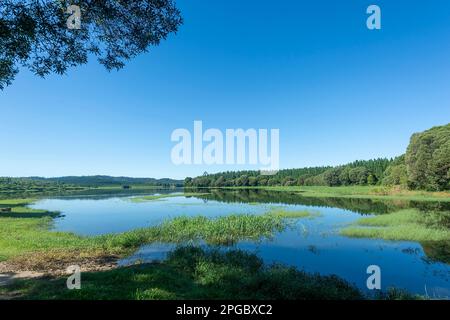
(314, 246)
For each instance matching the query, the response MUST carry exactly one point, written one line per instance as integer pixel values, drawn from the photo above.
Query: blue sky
(336, 90)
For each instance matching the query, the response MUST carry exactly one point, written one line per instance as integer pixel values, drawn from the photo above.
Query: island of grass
(159, 197)
(431, 229)
(293, 214)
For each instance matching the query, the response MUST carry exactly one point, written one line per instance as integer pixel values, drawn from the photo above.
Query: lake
(313, 244)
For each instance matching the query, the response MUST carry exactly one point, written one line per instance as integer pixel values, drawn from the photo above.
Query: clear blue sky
(337, 91)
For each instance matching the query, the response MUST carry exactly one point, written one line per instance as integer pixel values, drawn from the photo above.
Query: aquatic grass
(189, 273)
(399, 233)
(221, 230)
(160, 197)
(16, 202)
(293, 214)
(20, 237)
(408, 225)
(21, 210)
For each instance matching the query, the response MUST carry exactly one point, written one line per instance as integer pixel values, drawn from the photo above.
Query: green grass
(408, 225)
(189, 273)
(29, 233)
(19, 236)
(222, 230)
(194, 273)
(293, 214)
(430, 229)
(16, 202)
(159, 197)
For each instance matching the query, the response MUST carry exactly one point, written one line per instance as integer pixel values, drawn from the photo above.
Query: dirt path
(35, 266)
(7, 279)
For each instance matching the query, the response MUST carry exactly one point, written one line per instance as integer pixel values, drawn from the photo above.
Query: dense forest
(356, 173)
(425, 166)
(90, 181)
(100, 181)
(31, 186)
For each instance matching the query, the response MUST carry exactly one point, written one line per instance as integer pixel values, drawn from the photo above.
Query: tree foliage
(34, 34)
(396, 173)
(355, 173)
(426, 165)
(428, 159)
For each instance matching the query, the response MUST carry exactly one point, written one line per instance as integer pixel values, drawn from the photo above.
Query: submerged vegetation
(157, 197)
(430, 229)
(293, 214)
(409, 224)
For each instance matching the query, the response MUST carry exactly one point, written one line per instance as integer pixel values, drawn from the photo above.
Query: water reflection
(360, 205)
(314, 245)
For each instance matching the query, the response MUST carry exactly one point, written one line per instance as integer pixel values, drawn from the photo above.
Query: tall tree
(35, 34)
(428, 159)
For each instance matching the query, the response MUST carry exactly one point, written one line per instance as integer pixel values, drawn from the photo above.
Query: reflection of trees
(78, 193)
(362, 206)
(437, 251)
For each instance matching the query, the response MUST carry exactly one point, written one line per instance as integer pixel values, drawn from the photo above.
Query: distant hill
(37, 186)
(99, 181)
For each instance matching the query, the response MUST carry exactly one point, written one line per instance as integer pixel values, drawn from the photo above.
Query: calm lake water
(314, 245)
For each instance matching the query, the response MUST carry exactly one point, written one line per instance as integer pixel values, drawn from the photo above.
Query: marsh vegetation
(210, 227)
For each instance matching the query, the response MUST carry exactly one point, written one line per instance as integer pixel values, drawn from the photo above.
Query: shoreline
(350, 192)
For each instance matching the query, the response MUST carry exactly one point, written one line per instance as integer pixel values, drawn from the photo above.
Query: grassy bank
(25, 235)
(194, 273)
(361, 192)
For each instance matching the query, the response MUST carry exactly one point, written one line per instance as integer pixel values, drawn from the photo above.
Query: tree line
(424, 166)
